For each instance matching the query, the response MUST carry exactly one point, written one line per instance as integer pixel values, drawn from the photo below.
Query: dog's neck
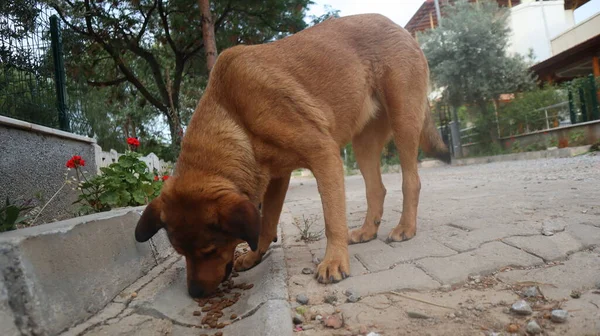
(216, 144)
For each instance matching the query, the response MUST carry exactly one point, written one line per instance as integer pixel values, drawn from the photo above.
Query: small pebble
(307, 270)
(533, 328)
(575, 294)
(349, 292)
(479, 307)
(559, 316)
(459, 314)
(318, 318)
(418, 315)
(302, 299)
(197, 313)
(446, 288)
(352, 298)
(233, 316)
(133, 295)
(512, 328)
(521, 308)
(298, 319)
(331, 299)
(530, 292)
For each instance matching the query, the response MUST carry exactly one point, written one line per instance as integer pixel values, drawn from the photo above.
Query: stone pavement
(473, 221)
(158, 304)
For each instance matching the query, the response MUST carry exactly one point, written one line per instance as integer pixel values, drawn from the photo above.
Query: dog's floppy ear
(241, 218)
(150, 222)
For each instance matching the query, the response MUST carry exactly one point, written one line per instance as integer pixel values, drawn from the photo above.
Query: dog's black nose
(195, 290)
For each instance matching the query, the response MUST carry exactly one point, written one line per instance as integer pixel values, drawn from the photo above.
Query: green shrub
(127, 182)
(11, 214)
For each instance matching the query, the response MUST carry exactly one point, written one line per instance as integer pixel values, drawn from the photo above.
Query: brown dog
(272, 108)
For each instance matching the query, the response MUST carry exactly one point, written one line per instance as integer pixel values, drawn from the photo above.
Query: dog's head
(204, 223)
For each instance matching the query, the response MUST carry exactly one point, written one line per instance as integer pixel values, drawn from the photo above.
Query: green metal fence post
(593, 98)
(571, 105)
(582, 106)
(59, 73)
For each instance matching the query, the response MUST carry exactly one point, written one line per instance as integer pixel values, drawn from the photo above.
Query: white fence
(104, 159)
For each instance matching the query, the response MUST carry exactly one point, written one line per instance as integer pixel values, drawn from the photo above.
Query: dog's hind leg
(271, 210)
(406, 99)
(367, 146)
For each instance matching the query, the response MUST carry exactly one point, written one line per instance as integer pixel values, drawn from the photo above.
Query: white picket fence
(104, 159)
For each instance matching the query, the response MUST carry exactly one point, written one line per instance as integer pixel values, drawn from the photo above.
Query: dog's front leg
(329, 172)
(271, 210)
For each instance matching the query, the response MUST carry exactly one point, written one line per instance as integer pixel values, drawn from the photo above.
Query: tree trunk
(489, 120)
(208, 34)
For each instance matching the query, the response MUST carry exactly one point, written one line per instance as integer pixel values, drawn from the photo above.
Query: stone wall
(32, 161)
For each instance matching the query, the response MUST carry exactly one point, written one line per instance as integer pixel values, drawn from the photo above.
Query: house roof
(425, 16)
(571, 63)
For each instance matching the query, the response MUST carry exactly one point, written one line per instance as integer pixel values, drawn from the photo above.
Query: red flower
(155, 178)
(75, 161)
(133, 142)
(165, 177)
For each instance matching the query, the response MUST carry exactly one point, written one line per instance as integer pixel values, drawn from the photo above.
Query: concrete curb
(59, 274)
(546, 154)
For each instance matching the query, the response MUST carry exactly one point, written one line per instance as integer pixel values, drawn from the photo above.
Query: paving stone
(404, 276)
(554, 247)
(373, 245)
(580, 271)
(419, 247)
(588, 235)
(487, 258)
(135, 325)
(464, 241)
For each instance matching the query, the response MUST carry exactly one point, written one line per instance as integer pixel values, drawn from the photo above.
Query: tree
(208, 34)
(468, 58)
(156, 47)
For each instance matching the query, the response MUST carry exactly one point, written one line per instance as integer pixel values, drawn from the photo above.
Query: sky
(400, 11)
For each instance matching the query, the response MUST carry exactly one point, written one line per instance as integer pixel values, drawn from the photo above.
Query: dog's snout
(195, 290)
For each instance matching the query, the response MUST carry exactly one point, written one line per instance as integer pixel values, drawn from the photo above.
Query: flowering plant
(127, 182)
(133, 142)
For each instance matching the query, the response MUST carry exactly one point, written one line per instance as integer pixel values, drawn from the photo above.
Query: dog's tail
(431, 141)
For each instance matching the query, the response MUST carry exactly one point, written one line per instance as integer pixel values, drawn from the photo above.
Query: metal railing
(32, 78)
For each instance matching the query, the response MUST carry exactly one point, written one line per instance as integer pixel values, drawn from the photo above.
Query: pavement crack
(428, 274)
(528, 252)
(361, 262)
(126, 303)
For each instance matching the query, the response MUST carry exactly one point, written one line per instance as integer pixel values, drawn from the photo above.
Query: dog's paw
(247, 261)
(361, 235)
(335, 267)
(401, 233)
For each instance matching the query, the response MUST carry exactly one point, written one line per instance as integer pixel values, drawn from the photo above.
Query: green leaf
(131, 179)
(148, 189)
(12, 214)
(139, 196)
(125, 197)
(110, 197)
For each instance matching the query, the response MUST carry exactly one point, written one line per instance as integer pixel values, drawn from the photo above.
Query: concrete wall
(590, 130)
(576, 35)
(32, 160)
(60, 274)
(529, 31)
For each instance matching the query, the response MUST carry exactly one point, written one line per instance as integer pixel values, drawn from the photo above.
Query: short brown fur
(272, 108)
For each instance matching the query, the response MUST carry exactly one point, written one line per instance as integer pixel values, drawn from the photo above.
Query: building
(562, 50)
